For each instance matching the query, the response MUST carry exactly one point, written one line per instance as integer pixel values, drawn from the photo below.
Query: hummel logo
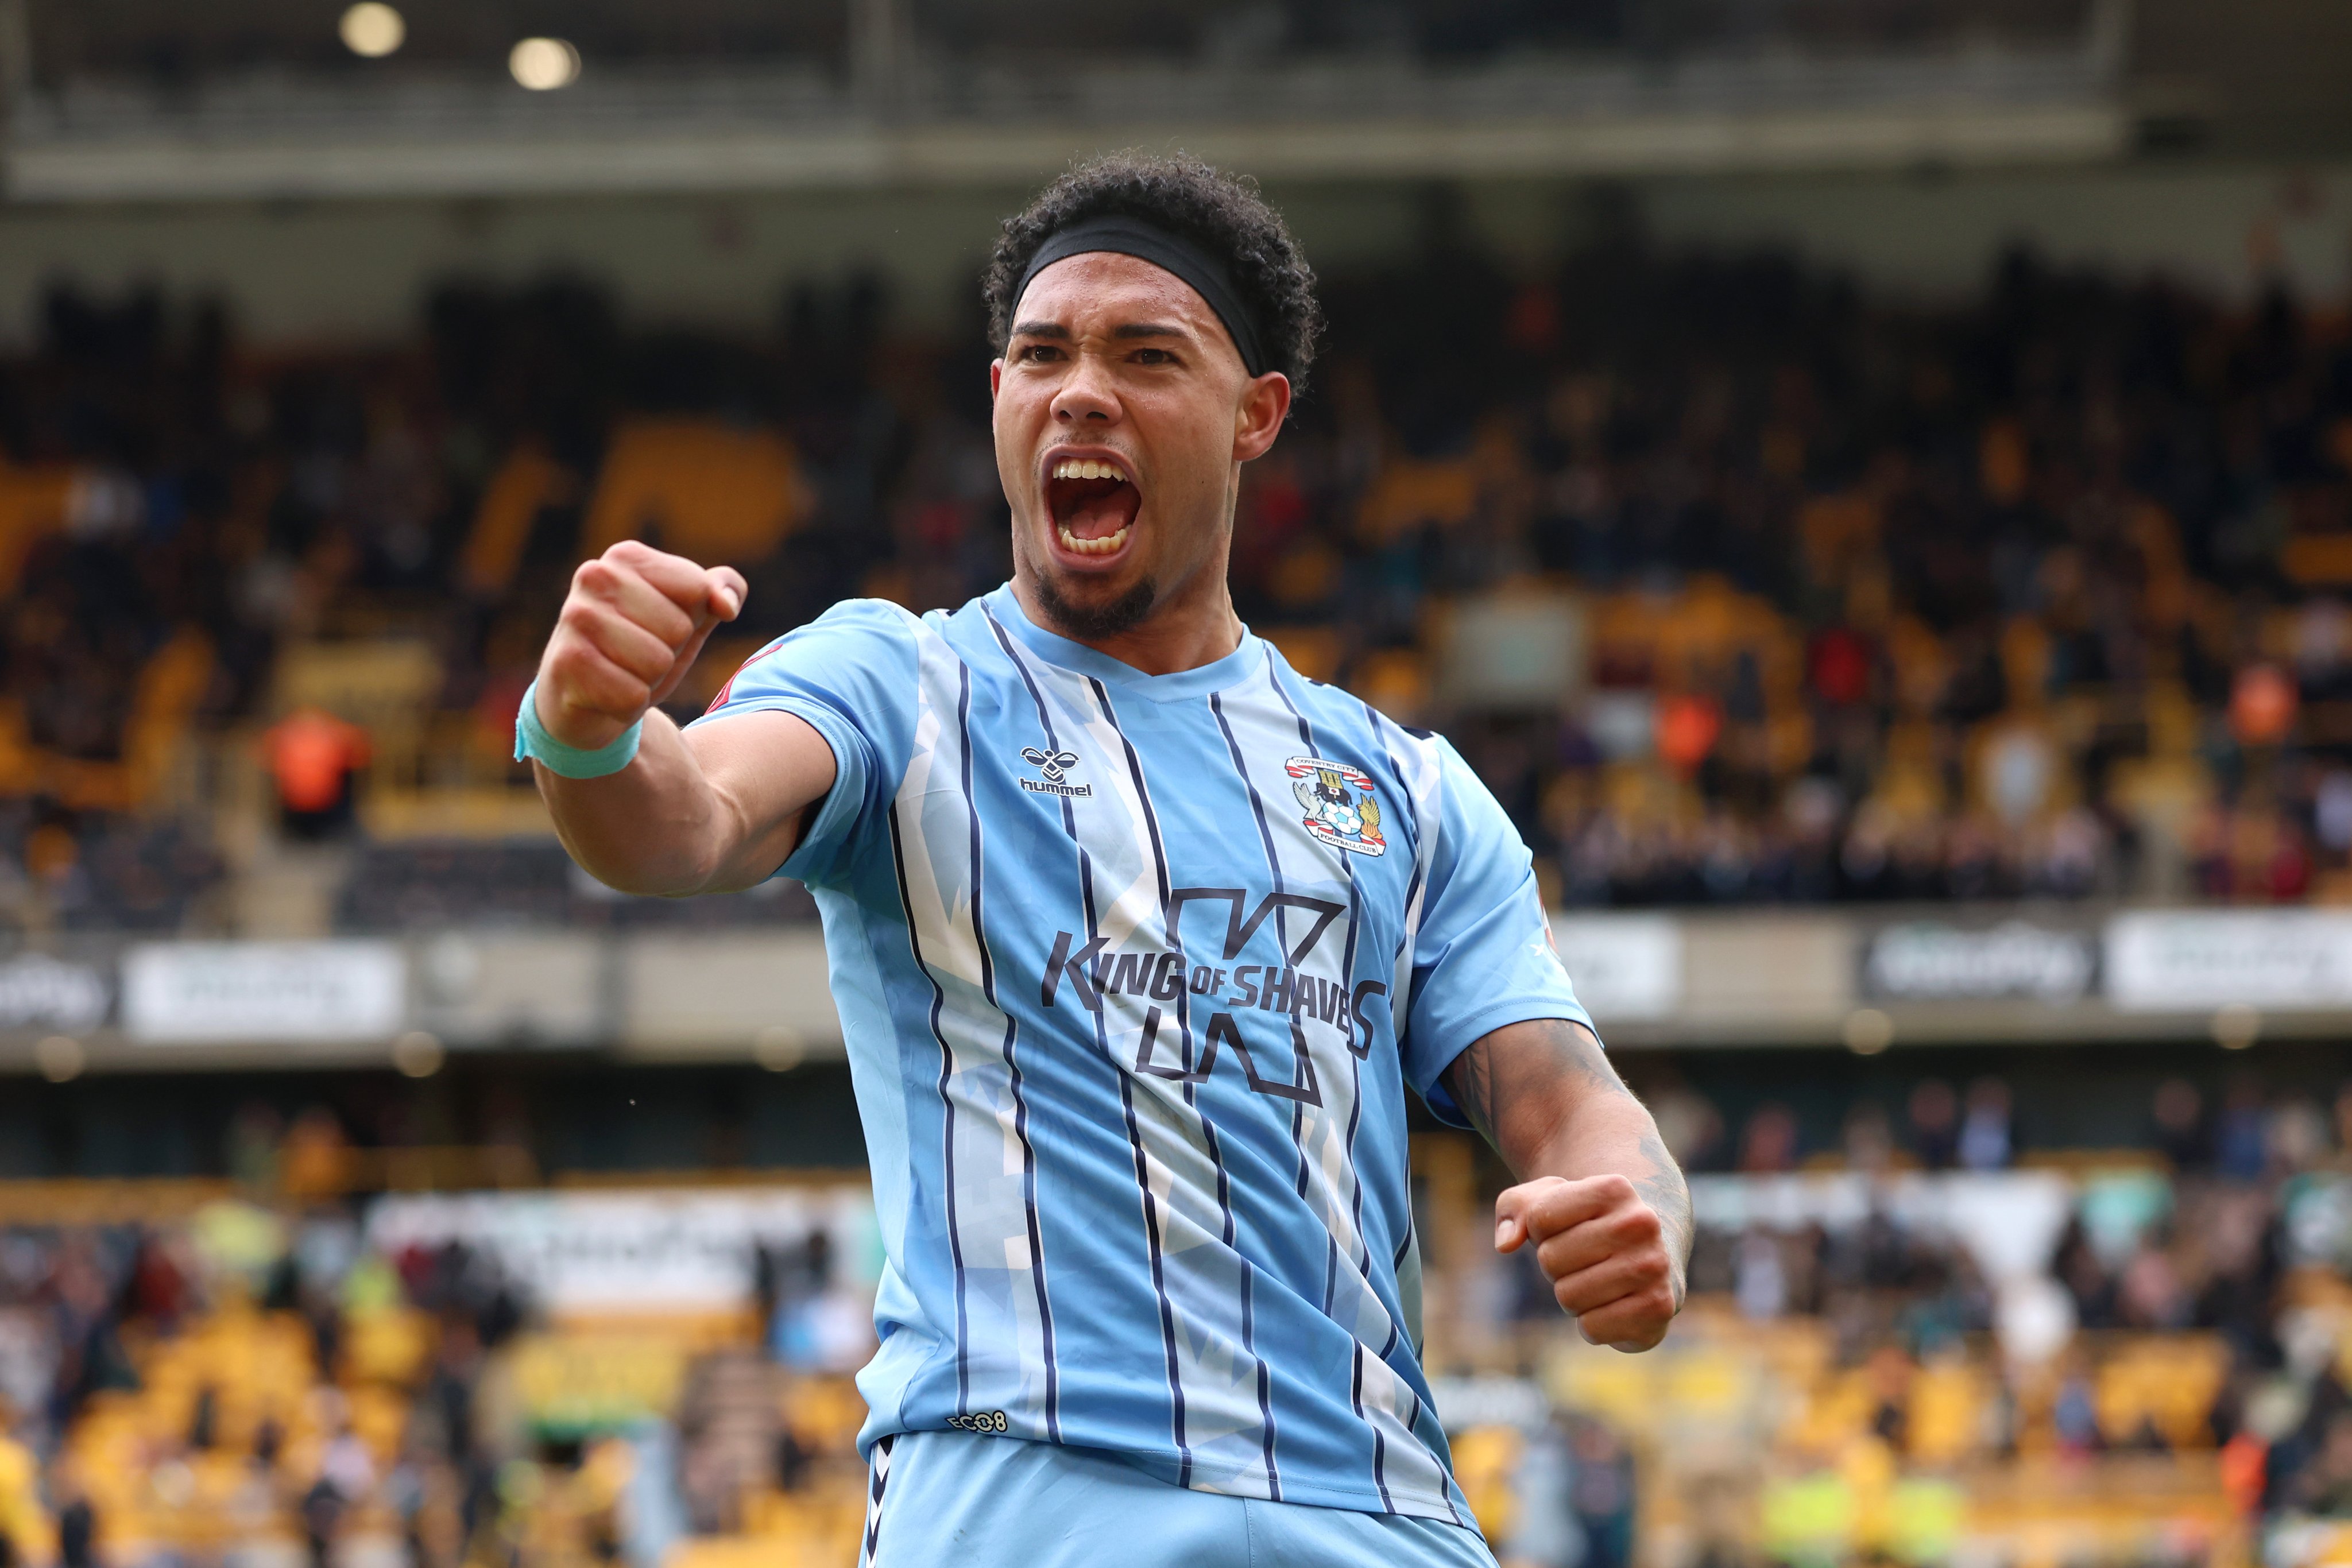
(1056, 766)
(1049, 763)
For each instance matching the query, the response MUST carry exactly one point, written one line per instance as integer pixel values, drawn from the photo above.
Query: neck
(1193, 626)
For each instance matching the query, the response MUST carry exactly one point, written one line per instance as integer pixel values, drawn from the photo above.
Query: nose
(1085, 396)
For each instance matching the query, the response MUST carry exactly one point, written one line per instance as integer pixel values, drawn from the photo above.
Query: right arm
(713, 811)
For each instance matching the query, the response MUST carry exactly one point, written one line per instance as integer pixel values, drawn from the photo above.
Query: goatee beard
(1093, 623)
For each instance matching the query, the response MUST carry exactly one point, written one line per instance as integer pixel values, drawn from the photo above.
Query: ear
(995, 378)
(1264, 403)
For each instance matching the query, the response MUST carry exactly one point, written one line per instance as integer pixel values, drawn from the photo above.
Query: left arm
(1599, 1196)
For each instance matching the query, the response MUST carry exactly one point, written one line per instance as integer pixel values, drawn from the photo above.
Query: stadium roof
(147, 100)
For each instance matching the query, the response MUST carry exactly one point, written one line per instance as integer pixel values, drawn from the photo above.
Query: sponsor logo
(1171, 977)
(1340, 807)
(1930, 961)
(1056, 766)
(2176, 960)
(37, 991)
(992, 1422)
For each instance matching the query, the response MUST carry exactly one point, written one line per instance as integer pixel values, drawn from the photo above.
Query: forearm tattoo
(1524, 1086)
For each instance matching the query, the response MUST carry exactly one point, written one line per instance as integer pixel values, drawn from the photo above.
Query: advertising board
(194, 993)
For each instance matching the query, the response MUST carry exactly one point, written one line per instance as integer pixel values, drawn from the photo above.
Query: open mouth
(1093, 504)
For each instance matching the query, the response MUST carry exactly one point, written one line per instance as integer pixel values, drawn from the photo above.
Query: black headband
(1209, 276)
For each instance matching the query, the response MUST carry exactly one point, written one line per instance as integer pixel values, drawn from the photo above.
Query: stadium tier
(1866, 487)
(1863, 673)
(1738, 588)
(717, 95)
(2106, 1364)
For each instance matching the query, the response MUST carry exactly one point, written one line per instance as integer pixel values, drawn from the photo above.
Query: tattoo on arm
(1487, 1079)
(1668, 1195)
(1524, 1084)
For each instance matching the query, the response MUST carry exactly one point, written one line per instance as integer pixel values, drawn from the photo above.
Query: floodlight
(543, 65)
(373, 28)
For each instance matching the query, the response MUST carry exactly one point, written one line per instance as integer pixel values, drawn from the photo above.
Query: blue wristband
(532, 739)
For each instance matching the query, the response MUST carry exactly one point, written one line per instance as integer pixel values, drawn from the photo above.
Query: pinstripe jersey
(1134, 973)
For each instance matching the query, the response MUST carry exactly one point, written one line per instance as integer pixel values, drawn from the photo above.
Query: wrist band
(532, 739)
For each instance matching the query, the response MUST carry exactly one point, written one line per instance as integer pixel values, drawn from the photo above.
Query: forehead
(1101, 290)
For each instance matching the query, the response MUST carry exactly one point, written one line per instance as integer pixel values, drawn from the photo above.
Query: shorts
(956, 1499)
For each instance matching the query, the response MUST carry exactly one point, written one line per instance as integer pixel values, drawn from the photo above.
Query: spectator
(2150, 1293)
(1769, 1144)
(2325, 1487)
(2241, 1147)
(313, 757)
(315, 1159)
(1935, 1116)
(24, 1522)
(2179, 1112)
(1869, 1140)
(1760, 1276)
(1600, 1494)
(1984, 1131)
(77, 1521)
(1835, 630)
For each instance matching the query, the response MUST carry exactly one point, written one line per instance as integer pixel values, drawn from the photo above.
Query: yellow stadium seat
(1945, 1413)
(33, 503)
(390, 1346)
(705, 489)
(1485, 1459)
(527, 481)
(1409, 493)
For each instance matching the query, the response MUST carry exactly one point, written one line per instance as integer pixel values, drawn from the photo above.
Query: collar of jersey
(1231, 670)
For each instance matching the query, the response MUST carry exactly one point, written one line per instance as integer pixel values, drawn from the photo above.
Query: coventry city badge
(1341, 809)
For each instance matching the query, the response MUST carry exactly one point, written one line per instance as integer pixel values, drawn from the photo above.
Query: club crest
(1340, 807)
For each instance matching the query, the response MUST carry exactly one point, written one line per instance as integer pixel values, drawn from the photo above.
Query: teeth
(1109, 544)
(1085, 468)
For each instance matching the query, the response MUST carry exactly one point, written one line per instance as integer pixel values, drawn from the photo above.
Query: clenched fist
(631, 627)
(1605, 1250)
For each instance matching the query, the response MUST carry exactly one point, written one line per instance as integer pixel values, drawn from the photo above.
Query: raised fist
(631, 627)
(1605, 1250)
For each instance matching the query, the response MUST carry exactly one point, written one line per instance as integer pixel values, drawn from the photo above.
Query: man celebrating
(1139, 939)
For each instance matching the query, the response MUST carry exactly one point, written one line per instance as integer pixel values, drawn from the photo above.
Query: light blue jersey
(1134, 971)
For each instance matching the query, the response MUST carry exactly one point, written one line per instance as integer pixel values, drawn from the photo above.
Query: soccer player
(1139, 939)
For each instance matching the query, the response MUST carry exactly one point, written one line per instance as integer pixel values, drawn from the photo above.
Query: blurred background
(1867, 482)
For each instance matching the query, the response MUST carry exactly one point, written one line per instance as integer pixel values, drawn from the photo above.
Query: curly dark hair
(1222, 212)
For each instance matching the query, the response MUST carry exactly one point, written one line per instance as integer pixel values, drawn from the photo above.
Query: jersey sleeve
(851, 674)
(1483, 954)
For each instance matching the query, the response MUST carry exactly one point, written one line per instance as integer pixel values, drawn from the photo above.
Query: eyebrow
(1060, 333)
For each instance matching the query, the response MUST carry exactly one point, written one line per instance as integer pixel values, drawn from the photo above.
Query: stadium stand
(1745, 586)
(1862, 1375)
(1865, 602)
(1904, 685)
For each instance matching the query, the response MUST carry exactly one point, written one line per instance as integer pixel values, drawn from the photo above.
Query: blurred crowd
(246, 1376)
(258, 1382)
(2246, 1133)
(1897, 1334)
(1909, 1348)
(2038, 595)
